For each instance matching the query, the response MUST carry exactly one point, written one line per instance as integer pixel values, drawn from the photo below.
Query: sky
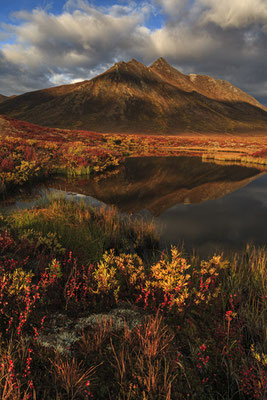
(52, 42)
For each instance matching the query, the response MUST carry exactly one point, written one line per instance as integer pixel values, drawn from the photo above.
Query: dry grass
(14, 386)
(92, 341)
(142, 359)
(86, 231)
(72, 377)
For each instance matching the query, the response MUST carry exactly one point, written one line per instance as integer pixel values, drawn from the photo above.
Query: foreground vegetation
(89, 309)
(25, 161)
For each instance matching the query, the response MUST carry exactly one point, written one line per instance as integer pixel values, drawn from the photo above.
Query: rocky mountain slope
(130, 97)
(3, 98)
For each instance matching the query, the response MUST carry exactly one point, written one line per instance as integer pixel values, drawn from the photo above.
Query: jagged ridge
(131, 97)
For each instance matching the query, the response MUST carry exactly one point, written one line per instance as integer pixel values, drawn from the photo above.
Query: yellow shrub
(19, 282)
(118, 273)
(171, 277)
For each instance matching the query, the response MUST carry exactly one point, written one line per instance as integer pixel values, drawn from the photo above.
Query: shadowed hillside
(130, 97)
(3, 98)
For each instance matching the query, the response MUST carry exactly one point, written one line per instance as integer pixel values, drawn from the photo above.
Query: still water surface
(206, 206)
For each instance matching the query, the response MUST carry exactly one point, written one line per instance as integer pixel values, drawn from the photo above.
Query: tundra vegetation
(89, 307)
(29, 152)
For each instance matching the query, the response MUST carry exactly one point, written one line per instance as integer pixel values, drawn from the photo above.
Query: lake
(207, 206)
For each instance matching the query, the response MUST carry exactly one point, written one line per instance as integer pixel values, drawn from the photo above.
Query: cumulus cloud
(172, 7)
(15, 78)
(72, 40)
(226, 39)
(80, 42)
(235, 13)
(180, 43)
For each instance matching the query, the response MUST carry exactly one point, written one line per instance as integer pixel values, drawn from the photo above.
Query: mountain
(3, 98)
(131, 97)
(216, 89)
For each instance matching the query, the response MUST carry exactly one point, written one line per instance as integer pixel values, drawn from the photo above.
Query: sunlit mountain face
(131, 97)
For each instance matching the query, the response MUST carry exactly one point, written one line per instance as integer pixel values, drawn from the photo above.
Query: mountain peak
(161, 66)
(131, 97)
(136, 64)
(161, 63)
(134, 61)
(119, 64)
(126, 66)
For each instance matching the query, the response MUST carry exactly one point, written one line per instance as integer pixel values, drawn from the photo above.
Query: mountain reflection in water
(158, 183)
(207, 206)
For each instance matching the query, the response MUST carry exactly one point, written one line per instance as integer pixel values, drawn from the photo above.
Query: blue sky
(56, 7)
(45, 43)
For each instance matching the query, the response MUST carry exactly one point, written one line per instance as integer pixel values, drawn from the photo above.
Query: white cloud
(77, 39)
(181, 42)
(171, 7)
(235, 13)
